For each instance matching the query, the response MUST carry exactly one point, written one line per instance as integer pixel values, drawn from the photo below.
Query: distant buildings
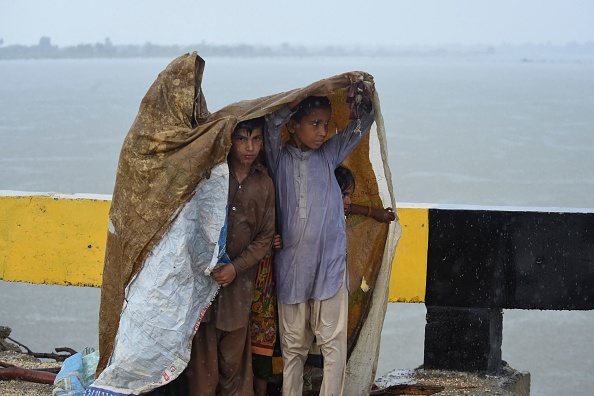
(45, 50)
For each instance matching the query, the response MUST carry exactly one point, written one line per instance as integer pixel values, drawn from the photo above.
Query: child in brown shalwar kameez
(221, 358)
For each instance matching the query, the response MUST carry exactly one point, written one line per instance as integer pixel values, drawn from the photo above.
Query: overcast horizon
(329, 22)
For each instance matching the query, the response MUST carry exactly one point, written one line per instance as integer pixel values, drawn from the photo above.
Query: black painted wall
(463, 339)
(510, 259)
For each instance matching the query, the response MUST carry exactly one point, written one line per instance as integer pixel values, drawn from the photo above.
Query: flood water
(480, 130)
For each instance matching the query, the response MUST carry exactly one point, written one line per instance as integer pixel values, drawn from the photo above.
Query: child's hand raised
(328, 86)
(224, 275)
(360, 94)
(358, 76)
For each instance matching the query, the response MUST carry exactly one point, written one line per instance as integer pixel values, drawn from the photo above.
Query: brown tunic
(221, 351)
(250, 230)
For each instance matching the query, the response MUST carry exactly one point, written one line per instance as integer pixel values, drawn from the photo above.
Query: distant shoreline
(46, 50)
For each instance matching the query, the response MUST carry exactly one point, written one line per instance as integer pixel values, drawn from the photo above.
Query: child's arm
(382, 215)
(257, 248)
(273, 140)
(340, 145)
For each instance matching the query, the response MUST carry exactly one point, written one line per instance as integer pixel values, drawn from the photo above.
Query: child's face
(346, 198)
(311, 131)
(245, 147)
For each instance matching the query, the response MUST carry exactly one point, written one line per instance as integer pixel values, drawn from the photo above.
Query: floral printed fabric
(263, 322)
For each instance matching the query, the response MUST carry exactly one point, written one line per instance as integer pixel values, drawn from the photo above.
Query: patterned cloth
(263, 322)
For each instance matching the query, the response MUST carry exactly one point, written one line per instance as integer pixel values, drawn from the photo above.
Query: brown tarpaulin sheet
(173, 144)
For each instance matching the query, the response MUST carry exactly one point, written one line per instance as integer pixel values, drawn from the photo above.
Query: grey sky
(325, 22)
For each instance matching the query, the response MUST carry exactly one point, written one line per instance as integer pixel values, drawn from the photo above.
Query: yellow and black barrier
(466, 263)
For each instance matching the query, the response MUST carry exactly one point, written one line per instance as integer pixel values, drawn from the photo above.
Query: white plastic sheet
(167, 299)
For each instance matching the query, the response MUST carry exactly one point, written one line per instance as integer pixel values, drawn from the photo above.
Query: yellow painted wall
(409, 268)
(53, 239)
(61, 240)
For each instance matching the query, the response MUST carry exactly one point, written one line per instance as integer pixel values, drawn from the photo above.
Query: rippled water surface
(461, 130)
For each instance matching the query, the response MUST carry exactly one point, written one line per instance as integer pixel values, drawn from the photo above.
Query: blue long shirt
(310, 214)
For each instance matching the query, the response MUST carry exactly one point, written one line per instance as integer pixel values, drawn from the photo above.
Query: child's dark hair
(250, 125)
(308, 104)
(344, 177)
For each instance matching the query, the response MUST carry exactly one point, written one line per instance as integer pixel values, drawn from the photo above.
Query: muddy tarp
(174, 153)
